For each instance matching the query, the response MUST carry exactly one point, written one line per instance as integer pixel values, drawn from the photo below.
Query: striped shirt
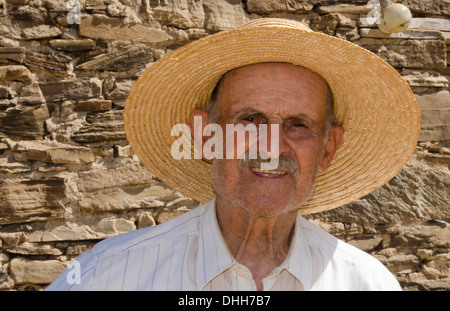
(188, 253)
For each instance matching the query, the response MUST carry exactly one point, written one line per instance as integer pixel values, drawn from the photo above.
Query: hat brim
(373, 103)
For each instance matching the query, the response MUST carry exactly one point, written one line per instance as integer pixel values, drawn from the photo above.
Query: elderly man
(248, 235)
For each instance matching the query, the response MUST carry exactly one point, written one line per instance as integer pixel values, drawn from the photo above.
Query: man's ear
(197, 122)
(334, 141)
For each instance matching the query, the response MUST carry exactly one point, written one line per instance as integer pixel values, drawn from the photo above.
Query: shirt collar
(298, 262)
(214, 257)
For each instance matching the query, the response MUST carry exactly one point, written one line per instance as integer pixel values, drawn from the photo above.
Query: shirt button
(240, 272)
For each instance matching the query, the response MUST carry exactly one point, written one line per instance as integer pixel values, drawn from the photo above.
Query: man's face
(295, 99)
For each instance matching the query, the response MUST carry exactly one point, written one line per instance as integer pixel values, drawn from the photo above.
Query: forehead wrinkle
(274, 76)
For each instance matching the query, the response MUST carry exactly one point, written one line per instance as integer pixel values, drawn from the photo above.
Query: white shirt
(188, 253)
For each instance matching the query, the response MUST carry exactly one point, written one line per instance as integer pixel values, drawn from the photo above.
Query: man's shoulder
(328, 244)
(109, 261)
(354, 263)
(187, 223)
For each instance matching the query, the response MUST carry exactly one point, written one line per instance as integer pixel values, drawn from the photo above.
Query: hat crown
(276, 22)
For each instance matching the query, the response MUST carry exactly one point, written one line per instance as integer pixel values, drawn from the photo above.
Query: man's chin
(267, 206)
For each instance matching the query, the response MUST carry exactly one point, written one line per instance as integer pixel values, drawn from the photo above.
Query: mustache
(285, 163)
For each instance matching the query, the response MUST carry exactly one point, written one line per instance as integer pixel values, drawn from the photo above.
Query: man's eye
(253, 120)
(299, 124)
(297, 129)
(295, 124)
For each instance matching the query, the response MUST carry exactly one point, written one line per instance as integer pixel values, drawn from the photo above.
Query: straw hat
(372, 101)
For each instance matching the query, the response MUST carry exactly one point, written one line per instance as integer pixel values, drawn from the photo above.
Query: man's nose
(275, 143)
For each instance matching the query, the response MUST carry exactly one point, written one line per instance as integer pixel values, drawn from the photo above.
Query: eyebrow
(249, 111)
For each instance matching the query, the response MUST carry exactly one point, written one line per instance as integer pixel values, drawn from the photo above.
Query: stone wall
(69, 179)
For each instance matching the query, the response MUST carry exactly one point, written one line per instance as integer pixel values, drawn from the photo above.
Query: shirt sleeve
(78, 276)
(387, 282)
(376, 277)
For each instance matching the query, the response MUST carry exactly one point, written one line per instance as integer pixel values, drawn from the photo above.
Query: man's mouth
(265, 173)
(287, 165)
